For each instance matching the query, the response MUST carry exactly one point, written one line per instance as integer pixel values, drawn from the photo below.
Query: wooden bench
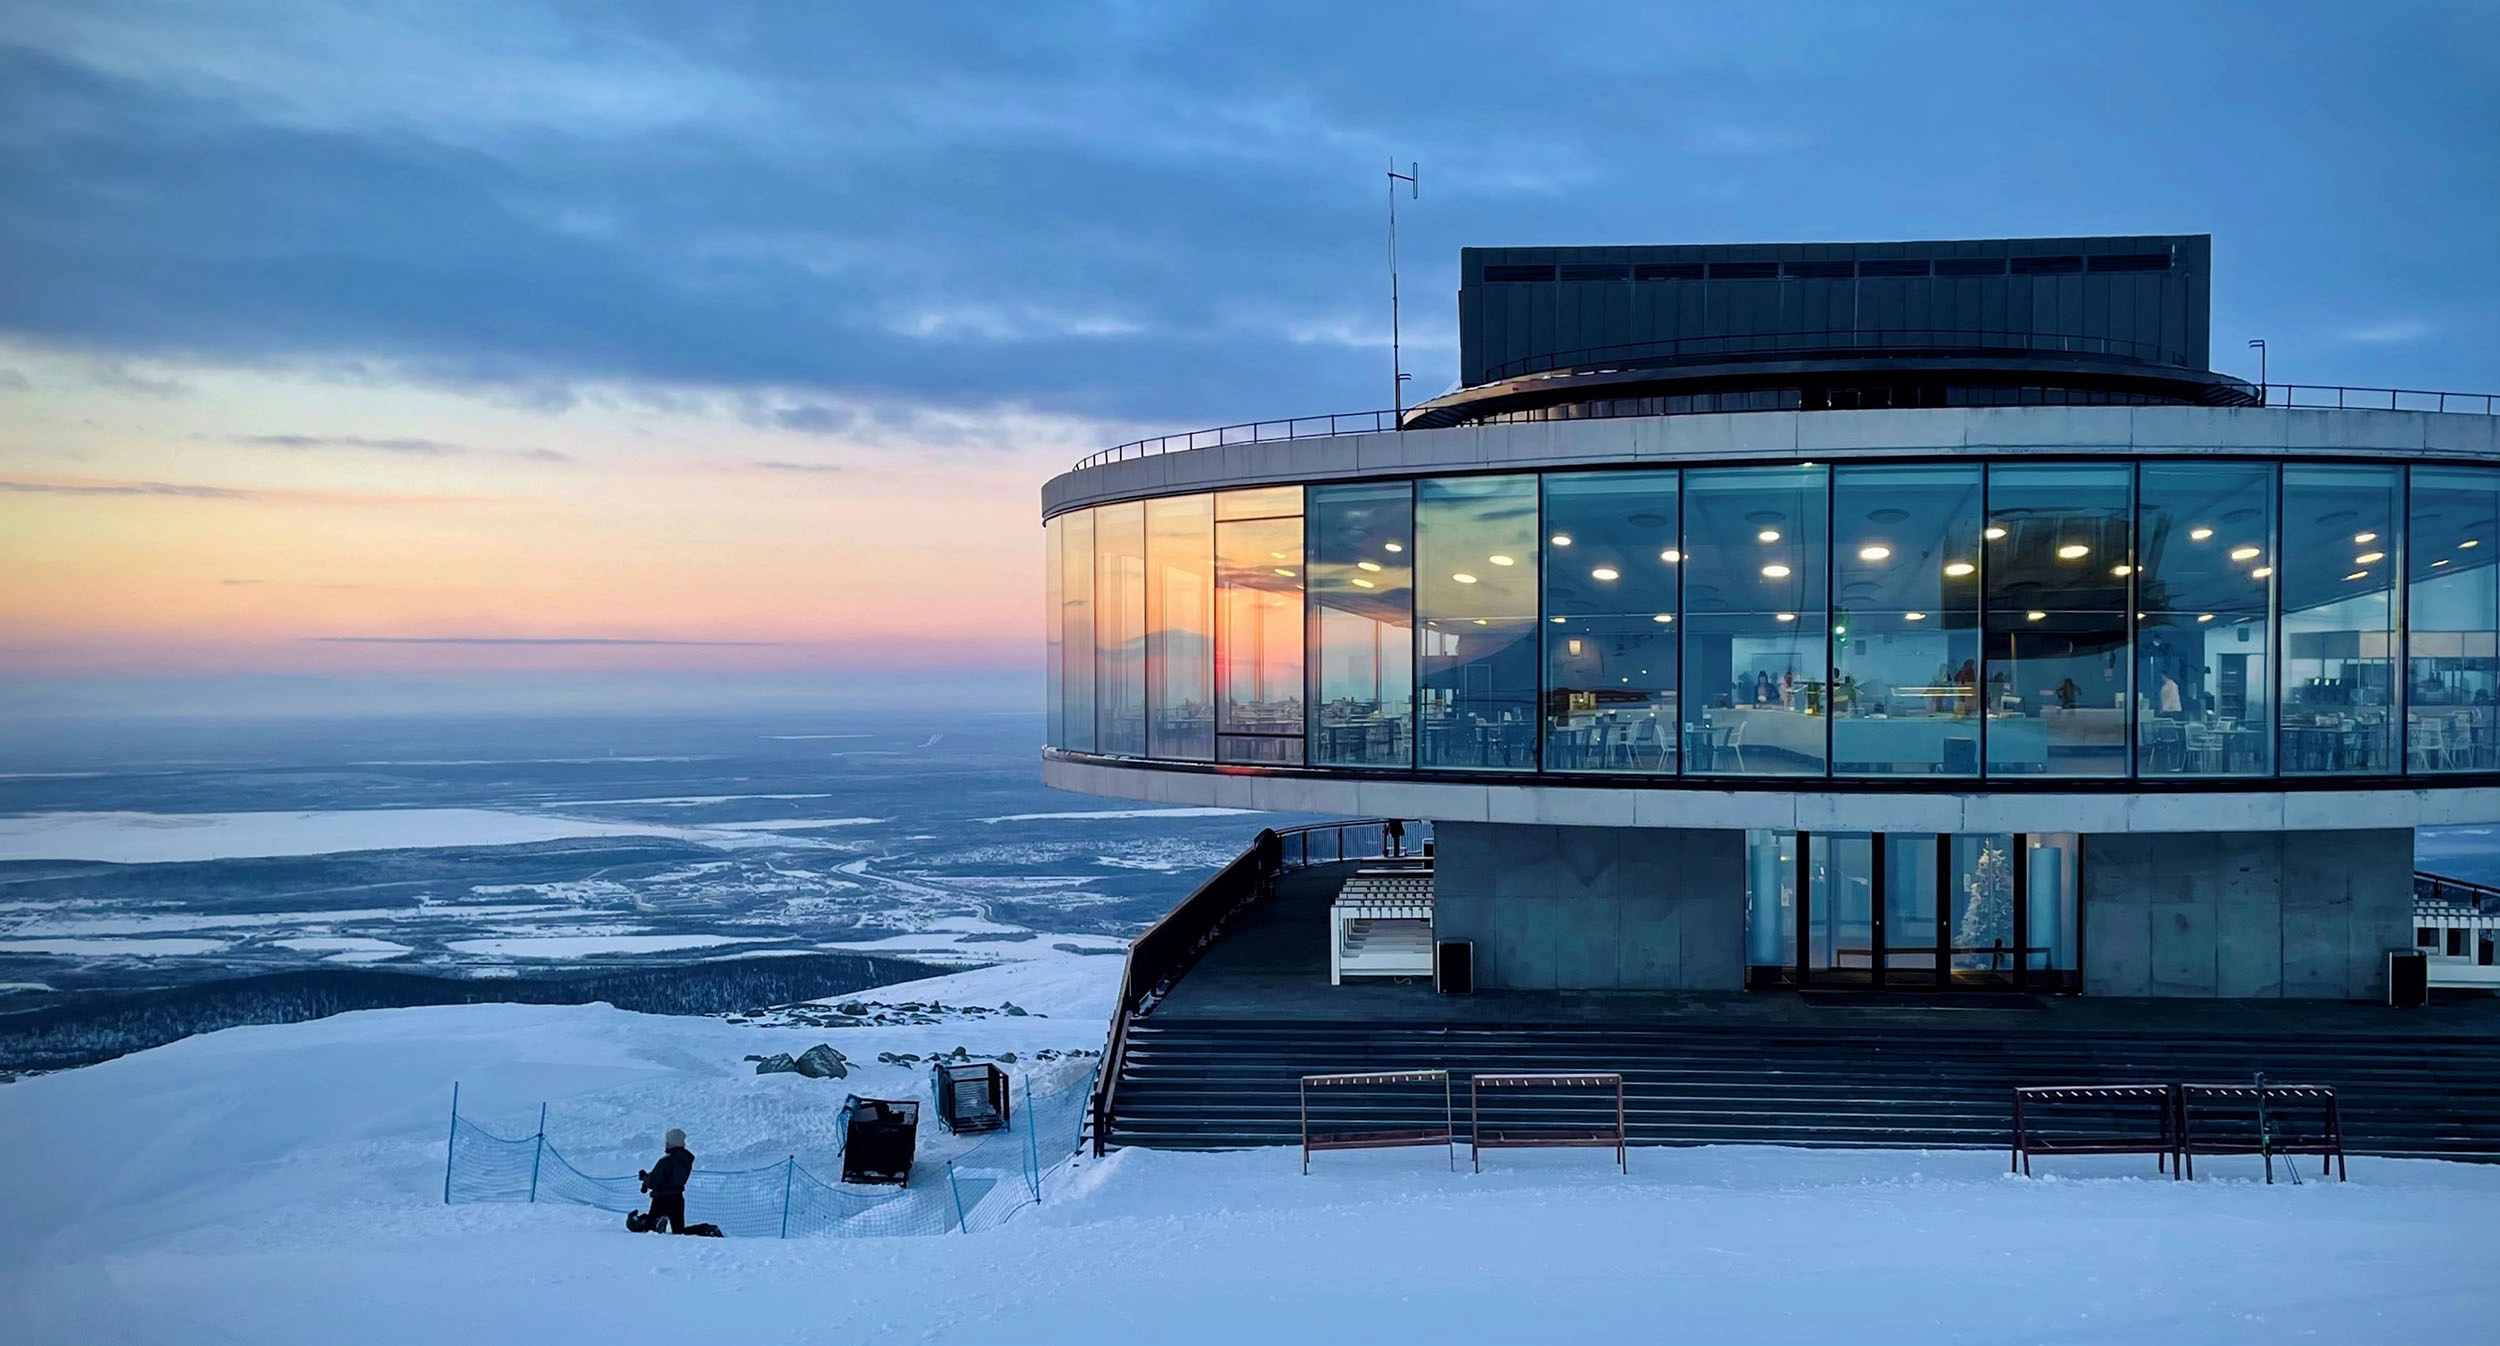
(2160, 1100)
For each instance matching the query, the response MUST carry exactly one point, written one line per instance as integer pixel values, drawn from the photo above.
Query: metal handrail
(2479, 897)
(1157, 958)
(2298, 396)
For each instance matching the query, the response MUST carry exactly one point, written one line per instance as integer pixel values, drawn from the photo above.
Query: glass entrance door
(1912, 910)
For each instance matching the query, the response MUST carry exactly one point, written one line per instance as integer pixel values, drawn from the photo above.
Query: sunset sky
(559, 344)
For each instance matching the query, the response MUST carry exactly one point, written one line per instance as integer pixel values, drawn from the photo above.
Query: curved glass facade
(2031, 619)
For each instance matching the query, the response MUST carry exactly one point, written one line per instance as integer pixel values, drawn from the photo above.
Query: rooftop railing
(2304, 396)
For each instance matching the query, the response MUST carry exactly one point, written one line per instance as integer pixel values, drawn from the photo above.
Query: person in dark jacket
(666, 1182)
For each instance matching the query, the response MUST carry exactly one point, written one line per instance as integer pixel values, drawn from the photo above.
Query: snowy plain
(283, 1185)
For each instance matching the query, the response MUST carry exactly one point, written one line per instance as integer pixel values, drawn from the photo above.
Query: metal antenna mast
(1413, 178)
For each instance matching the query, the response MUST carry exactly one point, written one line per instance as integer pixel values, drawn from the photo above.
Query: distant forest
(103, 1027)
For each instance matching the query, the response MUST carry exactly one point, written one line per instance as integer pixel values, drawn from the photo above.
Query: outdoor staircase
(1227, 1084)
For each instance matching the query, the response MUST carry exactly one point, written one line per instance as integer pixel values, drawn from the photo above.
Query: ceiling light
(1777, 572)
(2245, 553)
(2471, 542)
(1501, 560)
(1480, 621)
(1558, 621)
(1278, 556)
(1993, 533)
(1663, 617)
(2365, 537)
(1561, 539)
(1606, 574)
(1840, 630)
(1575, 645)
(1959, 568)
(1367, 565)
(1877, 553)
(1785, 616)
(1284, 572)
(2262, 572)
(2199, 534)
(1768, 535)
(2073, 551)
(1362, 584)
(2034, 615)
(2204, 616)
(2358, 575)
(1462, 577)
(1393, 546)
(1671, 556)
(2369, 558)
(1914, 616)
(2440, 562)
(2122, 570)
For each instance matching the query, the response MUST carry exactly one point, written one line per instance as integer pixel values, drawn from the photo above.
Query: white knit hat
(675, 1138)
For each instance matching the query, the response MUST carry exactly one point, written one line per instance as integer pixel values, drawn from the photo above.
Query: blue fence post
(959, 1198)
(538, 1153)
(789, 1171)
(453, 1142)
(1032, 1143)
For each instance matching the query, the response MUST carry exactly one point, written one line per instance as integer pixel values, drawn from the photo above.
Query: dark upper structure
(1570, 333)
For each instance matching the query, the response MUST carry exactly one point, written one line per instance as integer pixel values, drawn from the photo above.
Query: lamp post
(2259, 346)
(1413, 178)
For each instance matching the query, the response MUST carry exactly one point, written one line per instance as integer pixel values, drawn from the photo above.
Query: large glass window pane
(1180, 601)
(2450, 675)
(1613, 553)
(1755, 646)
(2056, 574)
(1362, 624)
(1258, 572)
(1076, 631)
(1905, 621)
(1120, 629)
(1054, 644)
(2341, 545)
(1770, 898)
(1982, 919)
(1475, 608)
(2205, 540)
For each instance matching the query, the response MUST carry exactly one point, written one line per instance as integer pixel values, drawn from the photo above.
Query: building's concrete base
(2308, 914)
(2212, 914)
(1594, 908)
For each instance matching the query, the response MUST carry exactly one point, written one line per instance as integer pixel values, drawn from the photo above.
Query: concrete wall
(1602, 908)
(2306, 914)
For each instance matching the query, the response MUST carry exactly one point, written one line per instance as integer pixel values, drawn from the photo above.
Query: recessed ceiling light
(1785, 616)
(2471, 542)
(2261, 572)
(1463, 577)
(1958, 569)
(2245, 553)
(1480, 621)
(1767, 535)
(1777, 572)
(2369, 558)
(2365, 537)
(1278, 556)
(1875, 553)
(1362, 584)
(2122, 570)
(1993, 533)
(1367, 565)
(2199, 534)
(1500, 560)
(1561, 539)
(1671, 556)
(2204, 616)
(2074, 551)
(1914, 616)
(1284, 572)
(1558, 621)
(2441, 561)
(1664, 617)
(1393, 546)
(2358, 575)
(2034, 615)
(1606, 574)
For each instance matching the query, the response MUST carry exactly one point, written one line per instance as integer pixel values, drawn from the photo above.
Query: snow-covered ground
(283, 1184)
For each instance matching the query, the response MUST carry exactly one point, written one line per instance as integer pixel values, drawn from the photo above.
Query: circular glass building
(1905, 615)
